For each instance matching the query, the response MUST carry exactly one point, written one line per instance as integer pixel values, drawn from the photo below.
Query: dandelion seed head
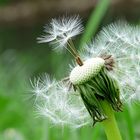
(122, 41)
(118, 41)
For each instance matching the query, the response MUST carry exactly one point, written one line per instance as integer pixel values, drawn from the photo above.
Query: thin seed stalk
(110, 124)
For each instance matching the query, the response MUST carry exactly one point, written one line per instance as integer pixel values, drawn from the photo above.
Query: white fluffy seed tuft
(59, 104)
(59, 31)
(91, 68)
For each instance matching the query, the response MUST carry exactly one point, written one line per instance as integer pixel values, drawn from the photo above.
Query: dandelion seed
(60, 31)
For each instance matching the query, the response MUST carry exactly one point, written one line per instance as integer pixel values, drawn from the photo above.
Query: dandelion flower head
(106, 69)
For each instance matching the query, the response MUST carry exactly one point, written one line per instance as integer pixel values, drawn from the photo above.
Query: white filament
(61, 30)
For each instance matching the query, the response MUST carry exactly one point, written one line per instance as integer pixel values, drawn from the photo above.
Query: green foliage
(4, 2)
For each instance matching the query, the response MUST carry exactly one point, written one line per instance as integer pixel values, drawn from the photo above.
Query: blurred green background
(21, 58)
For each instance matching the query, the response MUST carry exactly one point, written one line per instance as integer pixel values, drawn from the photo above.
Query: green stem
(94, 21)
(110, 125)
(129, 123)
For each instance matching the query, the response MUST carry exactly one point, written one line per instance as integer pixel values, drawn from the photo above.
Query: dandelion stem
(79, 61)
(110, 124)
(94, 21)
(74, 52)
(72, 46)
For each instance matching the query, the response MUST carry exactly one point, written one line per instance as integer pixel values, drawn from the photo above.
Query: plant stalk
(110, 124)
(94, 21)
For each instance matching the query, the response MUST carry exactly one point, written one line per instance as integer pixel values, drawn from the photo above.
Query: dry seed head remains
(89, 69)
